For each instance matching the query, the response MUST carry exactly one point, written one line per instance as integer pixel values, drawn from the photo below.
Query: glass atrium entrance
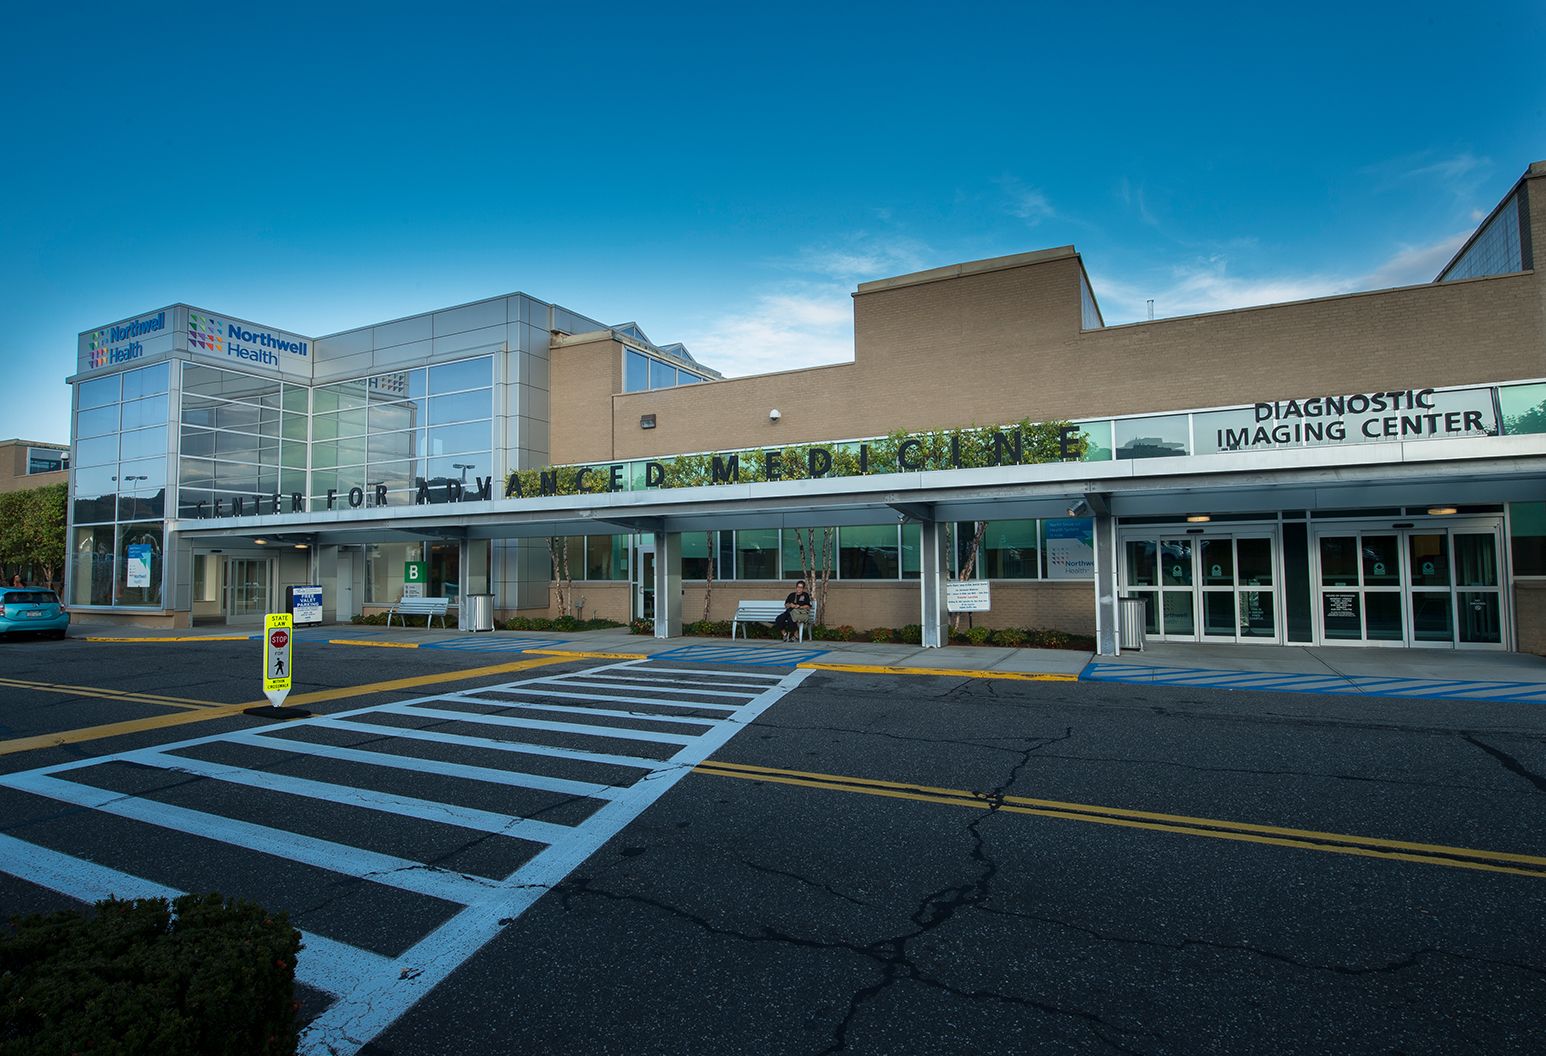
(247, 589)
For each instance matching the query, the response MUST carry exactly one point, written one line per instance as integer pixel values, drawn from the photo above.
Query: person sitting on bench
(797, 609)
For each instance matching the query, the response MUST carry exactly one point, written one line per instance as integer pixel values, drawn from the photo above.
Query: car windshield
(30, 597)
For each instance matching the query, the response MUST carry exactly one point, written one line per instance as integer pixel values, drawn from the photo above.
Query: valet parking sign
(278, 632)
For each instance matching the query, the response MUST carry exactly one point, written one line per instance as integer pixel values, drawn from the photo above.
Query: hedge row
(202, 977)
(912, 634)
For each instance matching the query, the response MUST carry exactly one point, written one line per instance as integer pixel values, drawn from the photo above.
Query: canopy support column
(668, 584)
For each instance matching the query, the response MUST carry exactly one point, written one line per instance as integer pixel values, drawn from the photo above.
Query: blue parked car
(32, 610)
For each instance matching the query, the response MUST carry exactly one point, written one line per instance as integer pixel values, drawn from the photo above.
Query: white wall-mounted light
(773, 415)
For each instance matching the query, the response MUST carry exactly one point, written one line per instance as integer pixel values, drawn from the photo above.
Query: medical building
(1362, 469)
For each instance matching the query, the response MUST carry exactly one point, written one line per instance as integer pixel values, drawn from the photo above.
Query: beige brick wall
(1530, 615)
(582, 376)
(999, 346)
(1061, 606)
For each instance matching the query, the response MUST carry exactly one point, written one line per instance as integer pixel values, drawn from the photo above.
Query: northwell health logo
(118, 344)
(231, 339)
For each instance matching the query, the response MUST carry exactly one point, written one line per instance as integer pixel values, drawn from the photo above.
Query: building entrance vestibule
(247, 589)
(1210, 585)
(643, 572)
(1427, 585)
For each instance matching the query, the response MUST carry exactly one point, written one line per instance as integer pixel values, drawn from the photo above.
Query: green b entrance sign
(415, 575)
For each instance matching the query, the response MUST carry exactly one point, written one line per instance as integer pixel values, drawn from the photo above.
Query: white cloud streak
(1209, 286)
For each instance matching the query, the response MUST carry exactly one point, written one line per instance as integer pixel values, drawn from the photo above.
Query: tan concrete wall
(13, 470)
(1530, 615)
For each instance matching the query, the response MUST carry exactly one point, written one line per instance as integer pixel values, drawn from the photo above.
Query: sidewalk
(1431, 673)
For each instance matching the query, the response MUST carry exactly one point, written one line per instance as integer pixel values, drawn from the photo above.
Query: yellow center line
(1213, 828)
(156, 722)
(109, 694)
(950, 672)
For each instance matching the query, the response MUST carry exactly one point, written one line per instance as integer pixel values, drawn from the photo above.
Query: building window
(868, 552)
(1153, 437)
(606, 557)
(1496, 250)
(1523, 407)
(696, 547)
(1527, 535)
(636, 372)
(44, 460)
(662, 375)
(814, 540)
(757, 554)
(1010, 551)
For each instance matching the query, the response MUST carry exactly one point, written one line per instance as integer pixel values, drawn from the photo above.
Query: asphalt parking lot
(592, 855)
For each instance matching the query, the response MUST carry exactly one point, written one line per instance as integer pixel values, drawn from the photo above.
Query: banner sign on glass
(137, 565)
(1070, 548)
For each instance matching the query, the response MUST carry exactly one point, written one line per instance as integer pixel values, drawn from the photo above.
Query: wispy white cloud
(1029, 204)
(1211, 286)
(801, 325)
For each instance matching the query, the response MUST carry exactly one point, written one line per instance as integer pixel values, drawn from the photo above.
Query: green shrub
(1012, 637)
(881, 634)
(561, 623)
(375, 620)
(1048, 638)
(708, 629)
(912, 634)
(641, 626)
(958, 636)
(978, 635)
(205, 977)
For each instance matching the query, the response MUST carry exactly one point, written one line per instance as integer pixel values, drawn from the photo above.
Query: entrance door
(1214, 586)
(246, 589)
(644, 582)
(1429, 586)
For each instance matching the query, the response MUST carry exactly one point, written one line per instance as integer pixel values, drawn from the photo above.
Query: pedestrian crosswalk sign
(278, 632)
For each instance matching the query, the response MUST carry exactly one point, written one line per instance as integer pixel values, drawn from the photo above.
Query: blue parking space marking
(492, 643)
(1345, 685)
(765, 656)
(371, 990)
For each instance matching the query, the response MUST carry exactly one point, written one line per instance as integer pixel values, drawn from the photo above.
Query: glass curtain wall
(118, 488)
(243, 442)
(392, 430)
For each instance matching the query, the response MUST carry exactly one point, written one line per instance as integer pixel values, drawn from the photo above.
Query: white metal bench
(429, 608)
(763, 612)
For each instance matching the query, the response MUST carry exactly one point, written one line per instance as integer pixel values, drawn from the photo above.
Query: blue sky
(727, 174)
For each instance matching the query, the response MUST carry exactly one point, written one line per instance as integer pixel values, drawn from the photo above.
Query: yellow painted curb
(577, 654)
(1013, 676)
(378, 645)
(186, 638)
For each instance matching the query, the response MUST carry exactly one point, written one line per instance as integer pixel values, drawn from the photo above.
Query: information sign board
(306, 605)
(137, 565)
(969, 595)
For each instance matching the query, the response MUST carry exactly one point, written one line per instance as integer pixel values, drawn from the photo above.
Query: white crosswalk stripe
(630, 702)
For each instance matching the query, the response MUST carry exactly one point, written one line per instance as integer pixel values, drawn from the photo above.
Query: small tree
(43, 528)
(558, 550)
(708, 575)
(969, 566)
(816, 564)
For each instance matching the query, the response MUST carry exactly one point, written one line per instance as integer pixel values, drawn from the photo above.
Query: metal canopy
(1455, 472)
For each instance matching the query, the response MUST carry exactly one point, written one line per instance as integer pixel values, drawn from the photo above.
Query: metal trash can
(1132, 616)
(477, 612)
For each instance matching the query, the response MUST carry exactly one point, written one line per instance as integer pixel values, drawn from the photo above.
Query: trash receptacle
(477, 612)
(1132, 617)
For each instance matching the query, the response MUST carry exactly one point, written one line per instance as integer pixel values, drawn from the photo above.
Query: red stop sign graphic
(279, 639)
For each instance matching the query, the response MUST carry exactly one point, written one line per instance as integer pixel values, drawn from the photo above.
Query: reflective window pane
(1177, 613)
(636, 372)
(143, 443)
(1479, 619)
(1381, 561)
(1382, 616)
(868, 552)
(1256, 614)
(468, 374)
(1176, 562)
(449, 439)
(1255, 561)
(1142, 563)
(147, 381)
(757, 554)
(1339, 561)
(1218, 562)
(1429, 554)
(91, 560)
(662, 375)
(1431, 616)
(461, 407)
(97, 451)
(97, 421)
(1476, 559)
(1159, 437)
(139, 568)
(99, 392)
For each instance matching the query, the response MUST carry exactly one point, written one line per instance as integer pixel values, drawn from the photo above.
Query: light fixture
(261, 542)
(1441, 511)
(1198, 518)
(773, 415)
(302, 546)
(1078, 508)
(646, 421)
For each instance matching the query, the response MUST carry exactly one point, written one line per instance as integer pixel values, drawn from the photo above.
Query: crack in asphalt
(807, 881)
(1510, 763)
(935, 910)
(1400, 963)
